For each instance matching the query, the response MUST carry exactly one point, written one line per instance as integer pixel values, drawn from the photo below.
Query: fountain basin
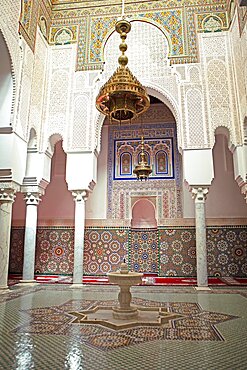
(124, 311)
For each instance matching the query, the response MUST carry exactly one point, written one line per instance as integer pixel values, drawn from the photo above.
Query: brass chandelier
(122, 98)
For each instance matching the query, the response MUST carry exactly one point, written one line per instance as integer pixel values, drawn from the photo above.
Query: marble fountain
(125, 280)
(124, 314)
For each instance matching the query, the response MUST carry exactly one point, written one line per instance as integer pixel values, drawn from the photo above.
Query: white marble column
(199, 195)
(32, 202)
(80, 196)
(7, 197)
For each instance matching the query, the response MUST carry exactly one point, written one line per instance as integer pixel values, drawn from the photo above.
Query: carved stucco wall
(218, 78)
(9, 17)
(39, 83)
(239, 51)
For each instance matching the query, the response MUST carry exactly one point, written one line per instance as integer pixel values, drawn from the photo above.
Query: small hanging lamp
(142, 170)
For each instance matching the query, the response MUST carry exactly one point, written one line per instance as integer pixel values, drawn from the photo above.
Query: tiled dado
(166, 251)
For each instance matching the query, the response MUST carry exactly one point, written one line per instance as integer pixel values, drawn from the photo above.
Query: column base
(77, 285)
(202, 288)
(32, 282)
(4, 288)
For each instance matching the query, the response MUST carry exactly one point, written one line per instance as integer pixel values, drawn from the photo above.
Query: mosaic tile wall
(177, 252)
(165, 251)
(144, 251)
(122, 140)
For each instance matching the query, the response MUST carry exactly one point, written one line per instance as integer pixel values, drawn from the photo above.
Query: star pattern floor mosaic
(41, 328)
(186, 321)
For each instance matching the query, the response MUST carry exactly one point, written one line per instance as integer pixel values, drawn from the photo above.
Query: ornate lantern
(142, 170)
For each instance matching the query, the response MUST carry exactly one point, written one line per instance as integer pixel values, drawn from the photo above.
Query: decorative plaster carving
(195, 127)
(80, 195)
(32, 198)
(7, 195)
(195, 74)
(80, 122)
(212, 24)
(244, 191)
(63, 36)
(199, 194)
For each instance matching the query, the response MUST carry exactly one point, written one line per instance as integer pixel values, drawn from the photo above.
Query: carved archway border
(13, 73)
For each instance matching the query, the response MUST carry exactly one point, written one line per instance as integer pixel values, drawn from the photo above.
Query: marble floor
(41, 327)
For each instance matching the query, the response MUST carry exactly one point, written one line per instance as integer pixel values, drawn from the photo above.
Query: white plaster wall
(96, 205)
(198, 166)
(13, 155)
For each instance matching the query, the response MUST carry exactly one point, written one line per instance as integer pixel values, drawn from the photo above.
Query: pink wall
(57, 205)
(224, 199)
(143, 214)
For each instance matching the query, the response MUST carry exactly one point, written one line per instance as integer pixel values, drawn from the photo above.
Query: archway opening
(143, 214)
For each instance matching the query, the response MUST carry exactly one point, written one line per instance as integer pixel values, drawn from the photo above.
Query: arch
(143, 214)
(216, 23)
(63, 36)
(161, 162)
(53, 140)
(32, 142)
(158, 92)
(7, 84)
(194, 74)
(125, 163)
(223, 130)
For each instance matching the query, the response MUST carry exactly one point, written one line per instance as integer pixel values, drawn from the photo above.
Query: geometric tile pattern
(54, 251)
(195, 324)
(104, 250)
(167, 251)
(16, 250)
(177, 252)
(227, 251)
(144, 251)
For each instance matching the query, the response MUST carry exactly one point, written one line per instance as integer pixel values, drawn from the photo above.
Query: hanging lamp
(142, 170)
(122, 98)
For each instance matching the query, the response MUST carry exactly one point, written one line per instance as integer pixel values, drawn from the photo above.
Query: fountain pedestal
(125, 280)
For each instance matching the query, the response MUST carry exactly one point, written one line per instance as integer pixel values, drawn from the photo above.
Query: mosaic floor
(41, 327)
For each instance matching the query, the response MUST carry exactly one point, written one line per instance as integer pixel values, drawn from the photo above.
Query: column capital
(32, 198)
(7, 195)
(80, 195)
(199, 194)
(244, 191)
